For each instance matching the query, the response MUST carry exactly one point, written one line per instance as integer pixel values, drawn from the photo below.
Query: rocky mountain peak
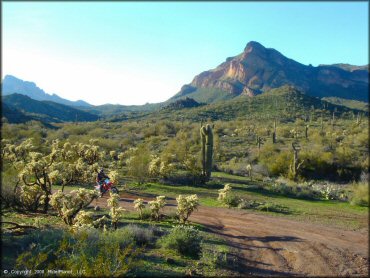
(258, 69)
(254, 46)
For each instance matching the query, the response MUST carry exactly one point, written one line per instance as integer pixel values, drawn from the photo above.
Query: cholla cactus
(121, 159)
(31, 196)
(139, 206)
(69, 205)
(186, 205)
(157, 167)
(113, 175)
(113, 155)
(156, 205)
(154, 166)
(223, 193)
(83, 219)
(115, 210)
(60, 164)
(295, 133)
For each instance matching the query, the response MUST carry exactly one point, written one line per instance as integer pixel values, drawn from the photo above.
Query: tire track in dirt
(275, 246)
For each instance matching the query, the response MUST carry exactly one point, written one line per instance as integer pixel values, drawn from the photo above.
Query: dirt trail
(269, 245)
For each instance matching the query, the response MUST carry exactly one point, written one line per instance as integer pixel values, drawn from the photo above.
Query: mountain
(45, 111)
(259, 69)
(13, 115)
(108, 110)
(348, 67)
(12, 84)
(353, 104)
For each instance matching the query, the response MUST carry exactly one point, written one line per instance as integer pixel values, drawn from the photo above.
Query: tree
(138, 163)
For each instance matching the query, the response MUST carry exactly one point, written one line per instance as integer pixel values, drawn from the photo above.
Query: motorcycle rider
(100, 179)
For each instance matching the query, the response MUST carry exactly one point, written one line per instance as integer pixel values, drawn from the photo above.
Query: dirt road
(274, 246)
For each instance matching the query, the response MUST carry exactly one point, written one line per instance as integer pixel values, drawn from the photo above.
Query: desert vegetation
(279, 156)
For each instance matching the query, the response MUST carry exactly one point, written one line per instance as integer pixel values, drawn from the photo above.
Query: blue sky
(133, 53)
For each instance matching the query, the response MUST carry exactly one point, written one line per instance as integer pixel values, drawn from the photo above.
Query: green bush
(8, 181)
(87, 252)
(141, 236)
(360, 194)
(186, 240)
(263, 206)
(231, 200)
(146, 214)
(219, 257)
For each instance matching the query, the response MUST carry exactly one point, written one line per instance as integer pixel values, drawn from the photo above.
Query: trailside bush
(231, 200)
(360, 194)
(184, 239)
(140, 235)
(227, 198)
(86, 252)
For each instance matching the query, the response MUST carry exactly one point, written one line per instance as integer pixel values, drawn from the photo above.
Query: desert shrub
(184, 239)
(278, 163)
(146, 214)
(260, 169)
(9, 181)
(138, 162)
(86, 252)
(219, 257)
(141, 236)
(309, 190)
(360, 194)
(231, 200)
(329, 191)
(263, 206)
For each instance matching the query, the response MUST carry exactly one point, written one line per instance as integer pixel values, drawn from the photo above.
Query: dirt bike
(106, 185)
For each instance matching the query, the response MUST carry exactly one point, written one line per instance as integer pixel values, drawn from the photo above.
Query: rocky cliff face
(259, 69)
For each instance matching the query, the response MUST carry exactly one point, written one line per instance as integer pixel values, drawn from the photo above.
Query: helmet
(101, 170)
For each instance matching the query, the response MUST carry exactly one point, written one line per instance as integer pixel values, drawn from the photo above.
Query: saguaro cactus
(260, 142)
(333, 120)
(358, 118)
(295, 165)
(206, 135)
(274, 133)
(306, 131)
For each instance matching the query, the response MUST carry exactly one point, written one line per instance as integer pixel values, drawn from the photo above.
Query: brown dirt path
(274, 246)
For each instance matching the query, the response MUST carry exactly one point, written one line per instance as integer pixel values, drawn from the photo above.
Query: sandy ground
(274, 246)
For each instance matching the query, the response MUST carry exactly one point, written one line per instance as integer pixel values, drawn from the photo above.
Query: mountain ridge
(24, 107)
(258, 69)
(12, 84)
